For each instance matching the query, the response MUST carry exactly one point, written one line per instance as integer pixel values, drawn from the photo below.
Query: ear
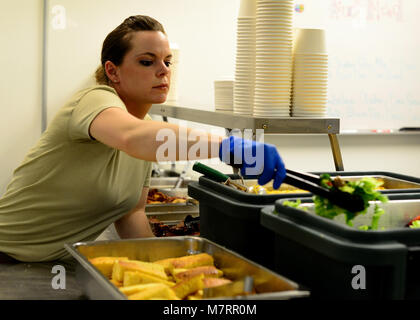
(111, 71)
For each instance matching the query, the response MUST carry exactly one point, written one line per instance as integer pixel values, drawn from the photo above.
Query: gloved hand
(254, 158)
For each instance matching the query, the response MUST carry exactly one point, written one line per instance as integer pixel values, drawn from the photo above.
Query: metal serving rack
(230, 121)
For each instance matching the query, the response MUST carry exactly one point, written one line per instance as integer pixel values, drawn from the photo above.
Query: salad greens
(294, 204)
(415, 224)
(365, 188)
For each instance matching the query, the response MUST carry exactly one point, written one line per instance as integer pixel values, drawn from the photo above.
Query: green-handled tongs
(217, 176)
(305, 181)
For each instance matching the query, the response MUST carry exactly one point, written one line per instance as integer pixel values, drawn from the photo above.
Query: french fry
(105, 264)
(207, 271)
(187, 287)
(214, 282)
(120, 267)
(196, 296)
(187, 262)
(158, 291)
(128, 291)
(116, 283)
(136, 277)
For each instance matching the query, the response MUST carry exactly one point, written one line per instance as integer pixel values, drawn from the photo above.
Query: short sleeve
(88, 107)
(149, 171)
(148, 175)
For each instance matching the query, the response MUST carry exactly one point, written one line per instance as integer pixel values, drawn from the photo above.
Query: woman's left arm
(135, 223)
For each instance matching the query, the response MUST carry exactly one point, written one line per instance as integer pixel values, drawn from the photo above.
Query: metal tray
(390, 184)
(399, 210)
(268, 284)
(172, 211)
(168, 182)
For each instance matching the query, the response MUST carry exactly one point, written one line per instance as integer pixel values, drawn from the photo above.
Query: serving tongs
(305, 181)
(312, 183)
(218, 176)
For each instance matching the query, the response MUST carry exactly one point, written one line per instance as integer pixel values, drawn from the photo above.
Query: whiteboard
(373, 47)
(374, 64)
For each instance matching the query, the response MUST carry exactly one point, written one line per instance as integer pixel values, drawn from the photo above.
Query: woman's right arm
(138, 138)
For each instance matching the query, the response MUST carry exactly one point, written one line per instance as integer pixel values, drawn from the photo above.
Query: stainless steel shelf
(229, 120)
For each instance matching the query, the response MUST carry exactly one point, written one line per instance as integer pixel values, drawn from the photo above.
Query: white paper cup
(248, 8)
(310, 41)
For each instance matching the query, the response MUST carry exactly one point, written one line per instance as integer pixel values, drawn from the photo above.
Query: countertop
(33, 281)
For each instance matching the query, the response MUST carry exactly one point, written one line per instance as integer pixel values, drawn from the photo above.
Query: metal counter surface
(33, 281)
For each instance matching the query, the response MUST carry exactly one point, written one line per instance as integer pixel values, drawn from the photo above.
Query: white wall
(205, 32)
(20, 89)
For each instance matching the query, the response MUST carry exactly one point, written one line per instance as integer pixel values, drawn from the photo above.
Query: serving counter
(33, 281)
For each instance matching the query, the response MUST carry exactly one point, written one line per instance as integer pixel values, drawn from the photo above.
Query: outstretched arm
(139, 138)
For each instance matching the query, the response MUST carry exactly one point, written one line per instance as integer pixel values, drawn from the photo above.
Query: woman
(92, 165)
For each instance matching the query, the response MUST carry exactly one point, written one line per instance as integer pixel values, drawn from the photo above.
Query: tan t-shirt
(69, 187)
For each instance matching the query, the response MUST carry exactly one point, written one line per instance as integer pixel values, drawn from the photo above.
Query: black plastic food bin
(322, 254)
(232, 218)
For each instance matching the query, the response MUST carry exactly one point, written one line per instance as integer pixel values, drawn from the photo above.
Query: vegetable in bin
(414, 223)
(364, 188)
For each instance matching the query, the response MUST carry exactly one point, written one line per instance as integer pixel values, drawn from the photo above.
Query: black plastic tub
(393, 182)
(231, 217)
(336, 261)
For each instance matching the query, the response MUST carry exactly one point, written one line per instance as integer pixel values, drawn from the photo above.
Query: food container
(232, 218)
(392, 182)
(268, 284)
(172, 211)
(168, 182)
(169, 212)
(189, 226)
(337, 261)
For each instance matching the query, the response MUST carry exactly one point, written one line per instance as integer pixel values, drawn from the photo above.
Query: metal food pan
(168, 182)
(167, 217)
(397, 214)
(268, 284)
(390, 184)
(399, 210)
(173, 211)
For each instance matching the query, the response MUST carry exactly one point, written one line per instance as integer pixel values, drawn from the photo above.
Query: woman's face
(144, 75)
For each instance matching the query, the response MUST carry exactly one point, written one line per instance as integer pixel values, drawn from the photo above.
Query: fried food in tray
(182, 278)
(189, 227)
(157, 197)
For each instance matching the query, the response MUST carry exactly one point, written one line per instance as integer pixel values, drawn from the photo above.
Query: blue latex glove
(254, 159)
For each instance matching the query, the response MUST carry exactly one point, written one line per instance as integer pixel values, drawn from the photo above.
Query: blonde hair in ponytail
(100, 76)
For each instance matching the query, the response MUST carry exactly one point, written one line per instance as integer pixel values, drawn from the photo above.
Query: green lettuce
(365, 188)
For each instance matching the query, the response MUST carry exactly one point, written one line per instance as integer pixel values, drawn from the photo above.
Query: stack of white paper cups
(245, 59)
(173, 90)
(223, 95)
(273, 73)
(310, 74)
